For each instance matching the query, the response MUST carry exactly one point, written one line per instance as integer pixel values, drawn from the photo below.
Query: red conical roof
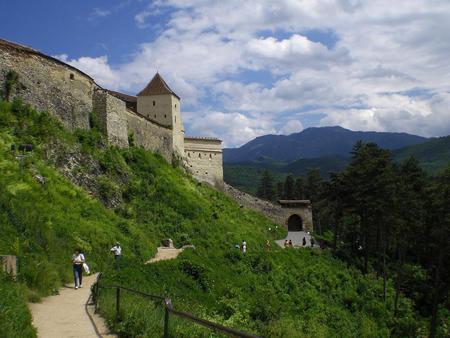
(157, 86)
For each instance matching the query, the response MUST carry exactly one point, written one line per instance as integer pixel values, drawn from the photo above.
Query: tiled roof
(130, 101)
(157, 86)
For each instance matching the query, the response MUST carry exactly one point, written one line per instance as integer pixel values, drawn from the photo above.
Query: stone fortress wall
(48, 84)
(204, 156)
(278, 213)
(152, 119)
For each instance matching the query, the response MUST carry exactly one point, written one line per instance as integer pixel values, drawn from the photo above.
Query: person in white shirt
(244, 247)
(117, 250)
(77, 262)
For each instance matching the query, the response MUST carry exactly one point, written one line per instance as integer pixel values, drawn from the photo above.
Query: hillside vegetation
(281, 293)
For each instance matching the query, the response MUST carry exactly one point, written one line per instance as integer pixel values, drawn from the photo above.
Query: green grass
(15, 320)
(282, 293)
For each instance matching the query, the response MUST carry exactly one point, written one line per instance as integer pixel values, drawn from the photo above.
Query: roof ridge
(157, 86)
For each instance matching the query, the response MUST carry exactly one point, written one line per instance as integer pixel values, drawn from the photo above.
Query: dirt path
(165, 254)
(68, 314)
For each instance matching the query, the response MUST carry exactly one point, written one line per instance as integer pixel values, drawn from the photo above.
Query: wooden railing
(168, 310)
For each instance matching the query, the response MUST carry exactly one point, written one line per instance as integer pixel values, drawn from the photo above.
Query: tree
(265, 190)
(299, 188)
(289, 187)
(314, 185)
(438, 245)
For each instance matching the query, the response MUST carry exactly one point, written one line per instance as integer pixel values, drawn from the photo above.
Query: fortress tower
(151, 120)
(159, 103)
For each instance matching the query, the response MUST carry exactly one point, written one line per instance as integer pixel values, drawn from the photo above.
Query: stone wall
(112, 114)
(48, 84)
(204, 160)
(149, 135)
(274, 212)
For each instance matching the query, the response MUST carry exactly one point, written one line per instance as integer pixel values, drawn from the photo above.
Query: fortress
(151, 120)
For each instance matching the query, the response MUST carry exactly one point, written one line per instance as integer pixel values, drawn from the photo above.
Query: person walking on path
(244, 247)
(77, 262)
(304, 241)
(286, 244)
(291, 245)
(117, 250)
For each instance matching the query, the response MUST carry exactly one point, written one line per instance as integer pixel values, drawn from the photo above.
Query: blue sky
(245, 69)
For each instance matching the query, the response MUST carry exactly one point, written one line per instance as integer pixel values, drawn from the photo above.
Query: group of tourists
(79, 264)
(289, 244)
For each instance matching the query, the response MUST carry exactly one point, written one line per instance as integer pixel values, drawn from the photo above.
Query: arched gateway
(297, 214)
(295, 223)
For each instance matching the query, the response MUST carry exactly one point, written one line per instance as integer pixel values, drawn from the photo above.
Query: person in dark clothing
(312, 242)
(290, 243)
(304, 241)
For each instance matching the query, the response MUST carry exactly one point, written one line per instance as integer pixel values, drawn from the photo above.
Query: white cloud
(233, 128)
(384, 50)
(98, 68)
(292, 126)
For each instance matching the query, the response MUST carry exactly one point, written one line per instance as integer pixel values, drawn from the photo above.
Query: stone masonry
(152, 118)
(279, 214)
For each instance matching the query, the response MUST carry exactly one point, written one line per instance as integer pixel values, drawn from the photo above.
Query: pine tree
(299, 188)
(289, 187)
(265, 190)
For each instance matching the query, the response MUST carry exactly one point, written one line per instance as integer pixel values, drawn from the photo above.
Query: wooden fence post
(118, 304)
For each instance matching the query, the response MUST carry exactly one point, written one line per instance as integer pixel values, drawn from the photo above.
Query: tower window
(210, 155)
(155, 116)
(72, 76)
(175, 119)
(199, 155)
(206, 173)
(165, 116)
(175, 105)
(154, 103)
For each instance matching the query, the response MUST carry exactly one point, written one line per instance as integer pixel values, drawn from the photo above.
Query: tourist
(312, 242)
(286, 243)
(77, 262)
(290, 243)
(304, 241)
(244, 247)
(117, 250)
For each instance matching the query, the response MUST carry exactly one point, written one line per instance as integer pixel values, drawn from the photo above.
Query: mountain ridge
(315, 142)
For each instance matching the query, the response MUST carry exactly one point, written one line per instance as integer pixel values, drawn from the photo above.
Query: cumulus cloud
(234, 128)
(98, 68)
(292, 126)
(365, 79)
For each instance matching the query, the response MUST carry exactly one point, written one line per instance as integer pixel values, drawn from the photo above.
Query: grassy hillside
(281, 293)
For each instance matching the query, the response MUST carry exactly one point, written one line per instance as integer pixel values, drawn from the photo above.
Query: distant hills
(313, 143)
(433, 154)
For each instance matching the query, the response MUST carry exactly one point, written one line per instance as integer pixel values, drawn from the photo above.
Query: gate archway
(295, 223)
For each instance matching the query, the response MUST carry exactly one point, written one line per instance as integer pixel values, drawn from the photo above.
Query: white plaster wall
(204, 158)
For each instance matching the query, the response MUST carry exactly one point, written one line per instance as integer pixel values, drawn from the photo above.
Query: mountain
(433, 155)
(315, 142)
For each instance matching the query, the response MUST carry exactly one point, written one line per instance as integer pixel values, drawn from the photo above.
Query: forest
(387, 219)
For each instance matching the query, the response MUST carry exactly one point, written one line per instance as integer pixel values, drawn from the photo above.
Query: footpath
(69, 315)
